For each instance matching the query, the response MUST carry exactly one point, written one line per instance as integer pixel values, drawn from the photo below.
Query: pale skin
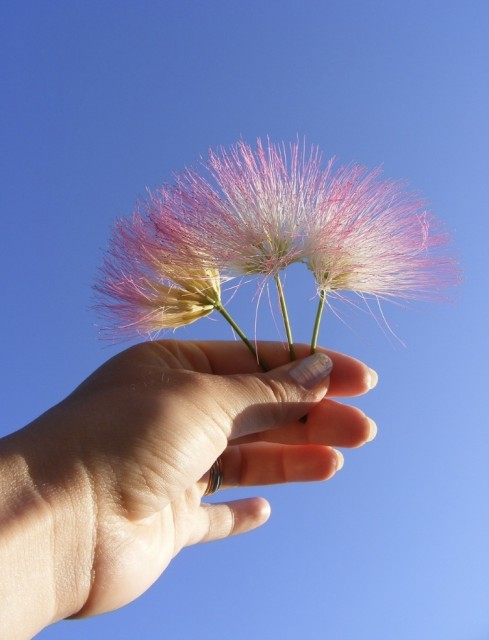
(101, 492)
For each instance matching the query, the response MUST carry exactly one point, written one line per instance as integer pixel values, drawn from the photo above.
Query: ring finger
(272, 463)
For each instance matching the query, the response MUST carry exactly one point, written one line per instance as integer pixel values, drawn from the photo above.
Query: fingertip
(254, 511)
(369, 380)
(323, 463)
(251, 513)
(263, 510)
(223, 519)
(372, 379)
(350, 376)
(336, 461)
(340, 460)
(372, 430)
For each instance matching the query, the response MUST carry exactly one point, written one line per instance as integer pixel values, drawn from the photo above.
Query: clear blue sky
(103, 98)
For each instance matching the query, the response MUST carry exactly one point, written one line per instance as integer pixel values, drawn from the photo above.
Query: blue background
(104, 98)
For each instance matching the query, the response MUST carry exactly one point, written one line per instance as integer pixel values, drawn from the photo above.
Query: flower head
(372, 237)
(246, 208)
(144, 286)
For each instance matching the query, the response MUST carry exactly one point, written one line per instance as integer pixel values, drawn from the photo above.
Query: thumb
(269, 400)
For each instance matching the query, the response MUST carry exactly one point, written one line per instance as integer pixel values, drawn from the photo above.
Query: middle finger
(328, 423)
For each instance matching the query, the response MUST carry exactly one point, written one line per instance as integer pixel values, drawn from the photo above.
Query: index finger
(350, 377)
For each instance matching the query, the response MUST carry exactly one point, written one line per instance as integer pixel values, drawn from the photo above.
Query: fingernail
(373, 430)
(340, 460)
(374, 378)
(312, 370)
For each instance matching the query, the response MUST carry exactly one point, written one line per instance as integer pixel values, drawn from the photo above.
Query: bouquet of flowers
(252, 212)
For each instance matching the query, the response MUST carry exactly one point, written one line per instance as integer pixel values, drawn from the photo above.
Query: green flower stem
(242, 335)
(285, 316)
(317, 322)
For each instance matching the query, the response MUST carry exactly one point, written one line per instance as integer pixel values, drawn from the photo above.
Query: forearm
(44, 552)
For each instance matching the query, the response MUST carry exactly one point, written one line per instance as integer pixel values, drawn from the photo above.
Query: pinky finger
(218, 521)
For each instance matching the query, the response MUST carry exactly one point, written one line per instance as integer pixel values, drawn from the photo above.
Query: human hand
(123, 460)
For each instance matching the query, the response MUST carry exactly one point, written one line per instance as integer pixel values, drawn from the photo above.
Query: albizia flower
(248, 211)
(145, 290)
(370, 236)
(373, 238)
(246, 208)
(151, 281)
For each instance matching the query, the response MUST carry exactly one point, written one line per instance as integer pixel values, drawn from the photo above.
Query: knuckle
(276, 391)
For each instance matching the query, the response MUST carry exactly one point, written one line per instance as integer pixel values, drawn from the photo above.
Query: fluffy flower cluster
(255, 211)
(144, 287)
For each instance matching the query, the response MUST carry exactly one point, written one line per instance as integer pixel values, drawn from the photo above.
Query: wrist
(47, 530)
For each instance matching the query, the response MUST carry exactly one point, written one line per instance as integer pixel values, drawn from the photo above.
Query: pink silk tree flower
(246, 208)
(268, 194)
(372, 237)
(143, 289)
(155, 278)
